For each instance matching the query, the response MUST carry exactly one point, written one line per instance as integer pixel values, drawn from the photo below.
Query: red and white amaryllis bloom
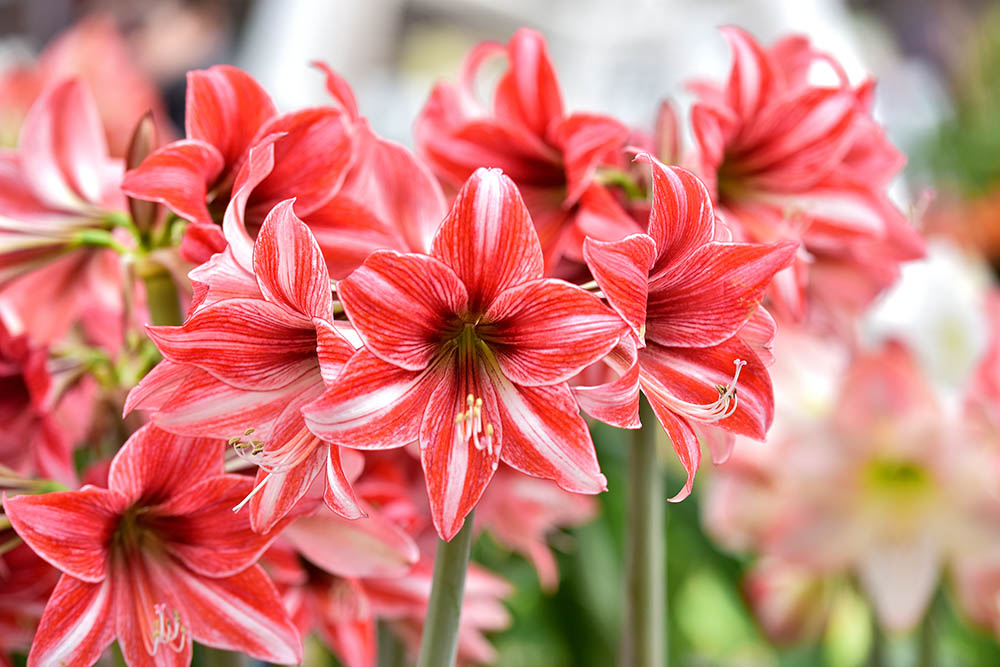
(355, 190)
(320, 565)
(693, 306)
(788, 159)
(468, 351)
(258, 345)
(553, 156)
(155, 560)
(94, 51)
(228, 113)
(58, 196)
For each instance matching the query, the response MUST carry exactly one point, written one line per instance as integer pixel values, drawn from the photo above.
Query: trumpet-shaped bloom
(323, 560)
(155, 560)
(258, 345)
(693, 306)
(551, 155)
(42, 421)
(468, 350)
(94, 51)
(356, 191)
(890, 487)
(58, 191)
(787, 159)
(227, 114)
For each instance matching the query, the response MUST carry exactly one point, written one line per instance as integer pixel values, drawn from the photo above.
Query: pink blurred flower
(791, 603)
(58, 199)
(93, 51)
(890, 487)
(521, 511)
(43, 418)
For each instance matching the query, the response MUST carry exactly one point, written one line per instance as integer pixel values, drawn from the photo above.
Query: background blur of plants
(938, 64)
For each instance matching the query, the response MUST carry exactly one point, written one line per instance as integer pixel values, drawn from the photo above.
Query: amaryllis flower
(890, 488)
(155, 560)
(468, 350)
(94, 51)
(693, 306)
(551, 155)
(58, 199)
(355, 190)
(227, 113)
(791, 603)
(787, 159)
(389, 198)
(258, 345)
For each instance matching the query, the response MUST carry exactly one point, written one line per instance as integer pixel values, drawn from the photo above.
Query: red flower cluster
(379, 354)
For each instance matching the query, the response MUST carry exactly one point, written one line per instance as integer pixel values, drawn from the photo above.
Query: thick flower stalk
(468, 351)
(155, 560)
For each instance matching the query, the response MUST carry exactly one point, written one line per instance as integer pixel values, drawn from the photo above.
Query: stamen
(719, 409)
(171, 633)
(284, 457)
(469, 426)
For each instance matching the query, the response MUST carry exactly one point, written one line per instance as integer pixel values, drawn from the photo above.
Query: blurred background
(938, 71)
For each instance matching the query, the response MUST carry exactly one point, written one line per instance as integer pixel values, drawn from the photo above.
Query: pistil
(469, 425)
(709, 413)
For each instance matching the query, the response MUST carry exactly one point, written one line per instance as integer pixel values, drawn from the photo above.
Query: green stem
(645, 565)
(215, 657)
(877, 656)
(162, 298)
(926, 656)
(439, 644)
(390, 649)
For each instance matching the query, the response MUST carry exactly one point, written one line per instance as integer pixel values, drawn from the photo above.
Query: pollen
(469, 425)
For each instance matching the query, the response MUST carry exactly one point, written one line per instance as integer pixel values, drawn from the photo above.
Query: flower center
(469, 426)
(897, 479)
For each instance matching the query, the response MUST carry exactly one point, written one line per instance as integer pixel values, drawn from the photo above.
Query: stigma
(721, 408)
(469, 426)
